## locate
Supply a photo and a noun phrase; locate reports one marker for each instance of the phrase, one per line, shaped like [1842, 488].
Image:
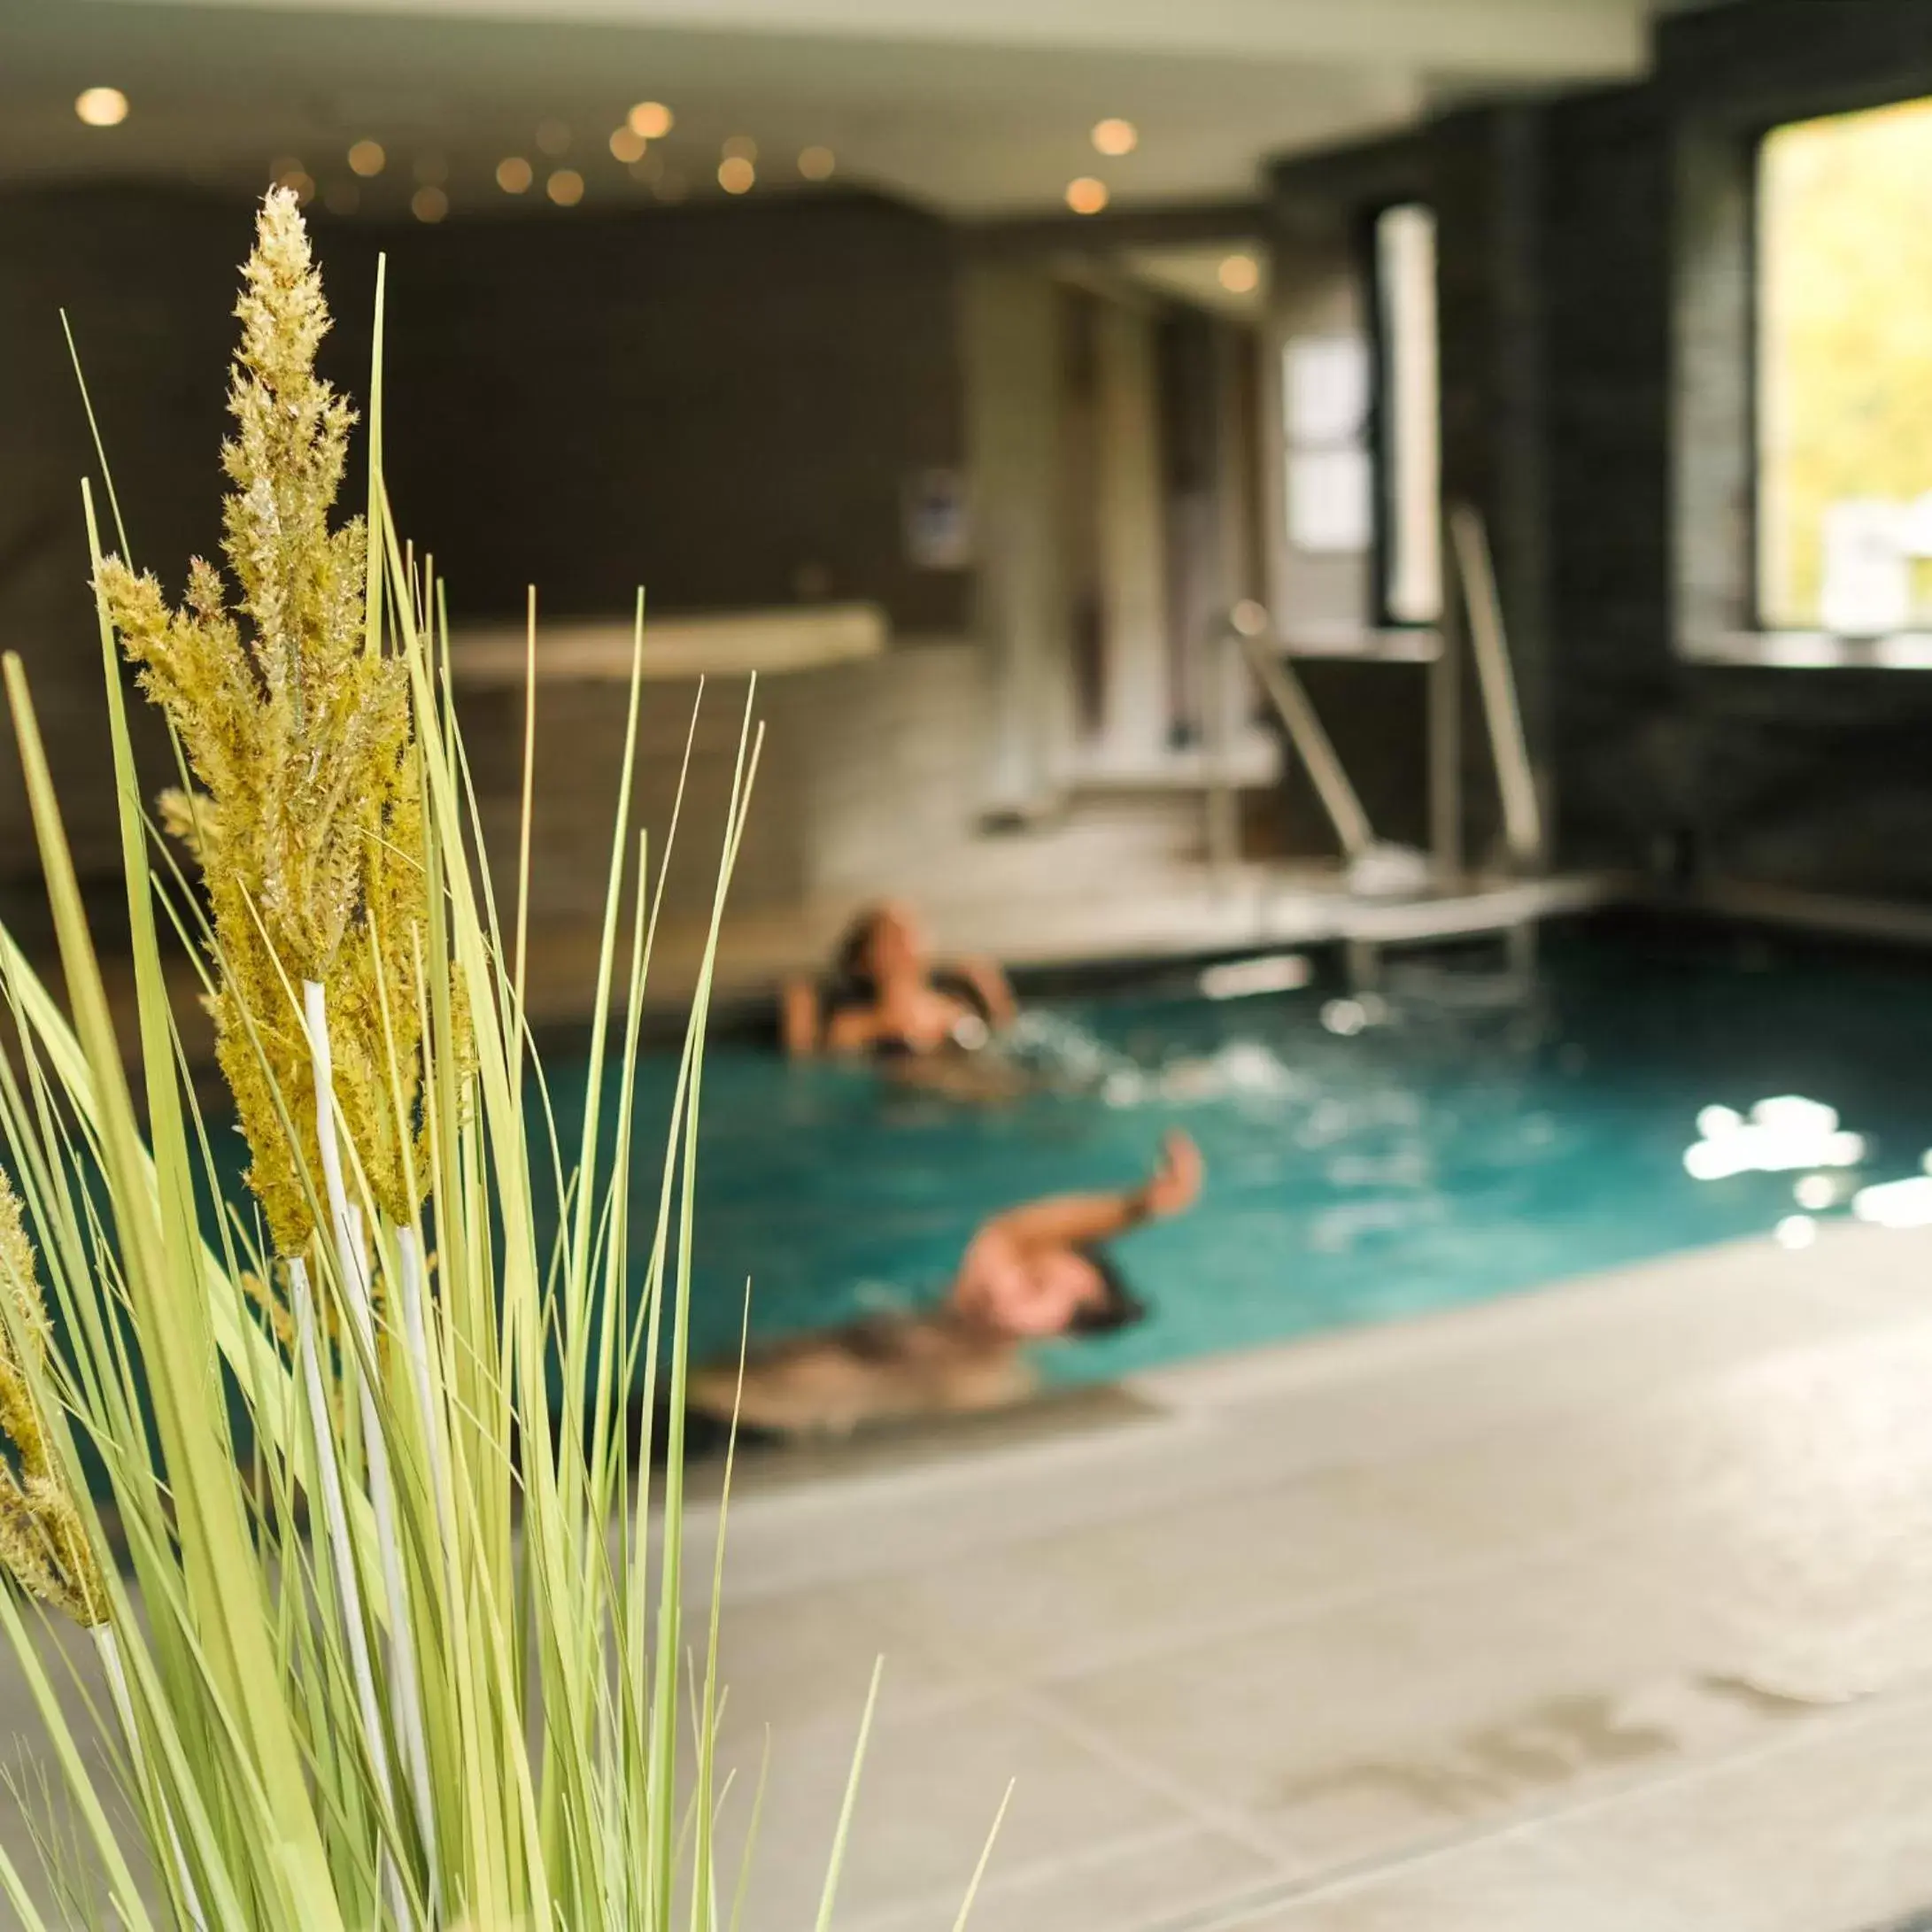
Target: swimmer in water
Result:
[1030, 1274]
[886, 995]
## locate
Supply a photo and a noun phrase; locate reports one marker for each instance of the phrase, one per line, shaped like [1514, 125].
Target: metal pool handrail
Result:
[1247, 625]
[1249, 628]
[1516, 778]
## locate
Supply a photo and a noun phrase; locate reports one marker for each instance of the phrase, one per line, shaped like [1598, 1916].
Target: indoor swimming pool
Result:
[1452, 1138]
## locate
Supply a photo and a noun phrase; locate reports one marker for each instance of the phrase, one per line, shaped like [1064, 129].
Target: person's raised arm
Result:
[798, 1018]
[1080, 1220]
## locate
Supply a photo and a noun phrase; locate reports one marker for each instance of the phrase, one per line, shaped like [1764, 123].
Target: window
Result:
[1409, 513]
[1844, 374]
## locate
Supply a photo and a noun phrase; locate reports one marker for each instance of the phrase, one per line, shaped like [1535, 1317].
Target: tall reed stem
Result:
[342, 1553]
[107, 1644]
[406, 1693]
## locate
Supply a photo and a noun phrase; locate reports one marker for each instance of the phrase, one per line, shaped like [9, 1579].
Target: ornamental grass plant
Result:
[337, 1478]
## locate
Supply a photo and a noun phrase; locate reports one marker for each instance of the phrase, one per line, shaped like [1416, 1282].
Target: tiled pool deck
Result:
[1610, 1606]
[1605, 1607]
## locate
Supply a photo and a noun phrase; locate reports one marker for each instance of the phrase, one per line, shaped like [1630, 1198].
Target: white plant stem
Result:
[336, 1529]
[107, 1644]
[415, 1334]
[350, 1258]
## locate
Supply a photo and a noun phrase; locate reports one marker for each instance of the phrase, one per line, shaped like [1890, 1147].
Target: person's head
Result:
[1064, 1291]
[884, 942]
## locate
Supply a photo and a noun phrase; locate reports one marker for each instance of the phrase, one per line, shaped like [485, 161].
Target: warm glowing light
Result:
[368, 159]
[101, 106]
[741, 147]
[650, 119]
[816, 164]
[290, 173]
[1240, 274]
[553, 136]
[565, 188]
[513, 174]
[627, 143]
[1115, 136]
[1086, 196]
[736, 174]
[1782, 1134]
[429, 204]
[431, 170]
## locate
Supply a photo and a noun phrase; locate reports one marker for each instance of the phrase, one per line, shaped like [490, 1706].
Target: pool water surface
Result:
[1366, 1159]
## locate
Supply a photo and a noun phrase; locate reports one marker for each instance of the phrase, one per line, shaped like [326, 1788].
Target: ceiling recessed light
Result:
[1240, 275]
[627, 143]
[741, 147]
[366, 159]
[650, 119]
[553, 136]
[101, 106]
[513, 174]
[429, 204]
[736, 174]
[1086, 196]
[565, 188]
[816, 164]
[1115, 136]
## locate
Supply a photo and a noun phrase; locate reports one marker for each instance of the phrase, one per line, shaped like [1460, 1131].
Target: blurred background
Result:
[1300, 490]
[964, 372]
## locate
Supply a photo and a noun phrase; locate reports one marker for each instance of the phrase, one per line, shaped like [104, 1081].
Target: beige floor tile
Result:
[1512, 1885]
[1390, 1723]
[931, 1788]
[1826, 1548]
[1119, 1888]
[1832, 1833]
[1838, 1428]
[806, 1658]
[1066, 1601]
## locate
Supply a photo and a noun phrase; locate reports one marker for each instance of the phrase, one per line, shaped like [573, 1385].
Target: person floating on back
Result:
[1030, 1274]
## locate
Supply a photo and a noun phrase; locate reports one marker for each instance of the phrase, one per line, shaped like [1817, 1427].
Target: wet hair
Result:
[850, 981]
[1119, 1306]
[850, 970]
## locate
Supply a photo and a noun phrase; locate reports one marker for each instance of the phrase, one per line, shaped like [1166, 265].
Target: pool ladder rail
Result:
[1247, 639]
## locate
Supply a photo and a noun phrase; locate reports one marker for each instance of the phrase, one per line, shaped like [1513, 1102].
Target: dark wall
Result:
[148, 281]
[1596, 340]
[722, 404]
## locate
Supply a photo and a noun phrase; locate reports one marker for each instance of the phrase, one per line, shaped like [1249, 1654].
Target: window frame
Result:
[1381, 412]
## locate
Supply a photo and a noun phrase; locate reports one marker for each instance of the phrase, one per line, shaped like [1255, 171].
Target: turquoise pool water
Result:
[1457, 1145]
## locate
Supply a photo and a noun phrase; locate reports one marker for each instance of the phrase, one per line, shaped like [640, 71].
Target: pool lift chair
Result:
[1402, 896]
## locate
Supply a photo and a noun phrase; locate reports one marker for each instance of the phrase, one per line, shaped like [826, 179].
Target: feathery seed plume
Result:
[306, 819]
[43, 1544]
